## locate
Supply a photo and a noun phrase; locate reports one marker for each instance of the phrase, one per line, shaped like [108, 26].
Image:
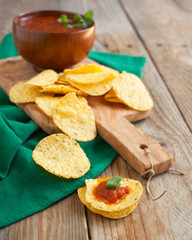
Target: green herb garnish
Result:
[80, 25]
[69, 26]
[64, 19]
[89, 15]
[78, 20]
[113, 182]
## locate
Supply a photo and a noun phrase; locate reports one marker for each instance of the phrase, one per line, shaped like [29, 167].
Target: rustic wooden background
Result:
[161, 30]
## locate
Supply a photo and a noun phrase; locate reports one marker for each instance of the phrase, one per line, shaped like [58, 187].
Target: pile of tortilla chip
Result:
[62, 96]
[116, 210]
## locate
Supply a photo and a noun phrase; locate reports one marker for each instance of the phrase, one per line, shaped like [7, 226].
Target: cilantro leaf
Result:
[78, 18]
[113, 183]
[63, 19]
[69, 26]
[80, 25]
[89, 14]
[88, 22]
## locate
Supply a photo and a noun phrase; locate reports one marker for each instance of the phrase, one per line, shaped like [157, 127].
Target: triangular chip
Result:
[23, 93]
[108, 69]
[90, 78]
[111, 97]
[62, 89]
[84, 69]
[75, 118]
[97, 88]
[130, 90]
[83, 99]
[62, 79]
[135, 189]
[112, 214]
[47, 104]
[62, 156]
[44, 78]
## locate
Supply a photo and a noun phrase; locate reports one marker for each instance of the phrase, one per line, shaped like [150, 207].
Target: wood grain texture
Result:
[170, 216]
[56, 222]
[166, 122]
[169, 28]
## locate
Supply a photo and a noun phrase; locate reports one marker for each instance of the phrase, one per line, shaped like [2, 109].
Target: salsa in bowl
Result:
[46, 42]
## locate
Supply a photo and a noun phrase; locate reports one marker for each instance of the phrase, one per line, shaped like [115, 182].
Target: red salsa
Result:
[109, 196]
[44, 23]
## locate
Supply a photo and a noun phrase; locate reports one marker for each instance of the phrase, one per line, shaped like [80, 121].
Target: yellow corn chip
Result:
[111, 97]
[84, 69]
[61, 74]
[96, 89]
[23, 93]
[44, 78]
[135, 193]
[81, 65]
[111, 93]
[90, 78]
[62, 156]
[62, 89]
[130, 90]
[83, 99]
[108, 69]
[62, 79]
[75, 118]
[47, 104]
[112, 214]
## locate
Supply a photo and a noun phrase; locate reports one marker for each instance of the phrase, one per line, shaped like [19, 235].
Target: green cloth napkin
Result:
[26, 188]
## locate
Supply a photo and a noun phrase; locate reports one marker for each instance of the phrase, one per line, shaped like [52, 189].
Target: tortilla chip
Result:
[84, 69]
[135, 193]
[90, 78]
[44, 78]
[108, 69]
[83, 99]
[114, 215]
[75, 118]
[62, 156]
[97, 88]
[111, 97]
[62, 79]
[62, 89]
[130, 90]
[47, 104]
[23, 93]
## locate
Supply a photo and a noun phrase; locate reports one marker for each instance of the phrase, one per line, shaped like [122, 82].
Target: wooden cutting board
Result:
[112, 120]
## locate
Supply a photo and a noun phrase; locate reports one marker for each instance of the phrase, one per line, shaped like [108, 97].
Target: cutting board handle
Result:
[130, 143]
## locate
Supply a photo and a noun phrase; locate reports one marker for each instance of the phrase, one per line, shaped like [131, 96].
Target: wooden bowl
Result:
[47, 44]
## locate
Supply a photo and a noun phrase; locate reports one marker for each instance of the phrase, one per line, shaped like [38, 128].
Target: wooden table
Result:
[161, 30]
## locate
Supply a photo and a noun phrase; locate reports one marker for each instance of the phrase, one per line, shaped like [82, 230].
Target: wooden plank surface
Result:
[169, 29]
[170, 216]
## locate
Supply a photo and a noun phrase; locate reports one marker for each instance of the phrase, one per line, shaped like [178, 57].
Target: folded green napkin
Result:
[26, 188]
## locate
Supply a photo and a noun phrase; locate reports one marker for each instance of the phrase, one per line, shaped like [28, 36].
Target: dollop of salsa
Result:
[109, 196]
